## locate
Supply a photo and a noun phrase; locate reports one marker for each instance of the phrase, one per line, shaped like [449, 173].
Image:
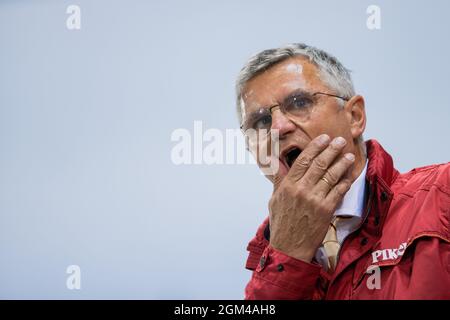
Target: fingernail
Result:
[339, 142]
[350, 156]
[324, 138]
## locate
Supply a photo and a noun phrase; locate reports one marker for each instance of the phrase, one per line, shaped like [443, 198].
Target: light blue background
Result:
[86, 118]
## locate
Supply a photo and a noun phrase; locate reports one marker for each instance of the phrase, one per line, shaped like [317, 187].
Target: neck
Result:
[360, 160]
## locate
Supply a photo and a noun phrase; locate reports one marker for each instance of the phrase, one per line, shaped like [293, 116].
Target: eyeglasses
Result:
[297, 106]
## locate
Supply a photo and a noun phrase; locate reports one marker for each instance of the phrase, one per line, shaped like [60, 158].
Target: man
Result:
[343, 222]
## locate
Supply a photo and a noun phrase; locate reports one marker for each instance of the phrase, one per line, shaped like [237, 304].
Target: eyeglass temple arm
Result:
[331, 95]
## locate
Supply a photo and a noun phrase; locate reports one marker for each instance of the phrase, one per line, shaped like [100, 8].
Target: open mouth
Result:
[291, 156]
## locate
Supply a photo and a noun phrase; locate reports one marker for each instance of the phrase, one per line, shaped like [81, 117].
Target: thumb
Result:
[277, 179]
[275, 176]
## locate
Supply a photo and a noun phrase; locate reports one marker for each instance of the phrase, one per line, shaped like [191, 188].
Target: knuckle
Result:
[323, 207]
[346, 184]
[342, 188]
[307, 181]
[316, 200]
[290, 189]
[301, 191]
[304, 161]
[332, 176]
[339, 191]
[320, 164]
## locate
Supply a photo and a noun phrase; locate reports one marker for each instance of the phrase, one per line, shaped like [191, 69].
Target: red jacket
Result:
[404, 237]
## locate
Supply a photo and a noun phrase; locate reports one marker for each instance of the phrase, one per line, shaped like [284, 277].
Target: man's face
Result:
[327, 116]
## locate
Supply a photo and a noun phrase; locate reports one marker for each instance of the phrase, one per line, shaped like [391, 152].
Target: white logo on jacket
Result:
[388, 254]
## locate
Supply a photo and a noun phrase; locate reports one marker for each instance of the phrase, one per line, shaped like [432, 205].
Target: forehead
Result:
[274, 84]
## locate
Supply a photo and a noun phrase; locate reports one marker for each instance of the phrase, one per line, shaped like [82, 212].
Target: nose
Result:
[281, 123]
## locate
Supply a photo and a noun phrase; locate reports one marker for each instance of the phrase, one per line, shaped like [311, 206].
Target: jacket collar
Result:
[380, 176]
[380, 167]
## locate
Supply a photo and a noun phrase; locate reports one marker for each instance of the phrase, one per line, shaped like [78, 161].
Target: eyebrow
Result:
[295, 94]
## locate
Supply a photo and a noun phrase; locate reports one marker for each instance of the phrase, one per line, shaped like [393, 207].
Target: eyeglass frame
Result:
[280, 104]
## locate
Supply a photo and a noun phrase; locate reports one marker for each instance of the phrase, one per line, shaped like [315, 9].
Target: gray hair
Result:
[331, 71]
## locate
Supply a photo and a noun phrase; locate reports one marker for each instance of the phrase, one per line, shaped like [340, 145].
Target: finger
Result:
[336, 194]
[321, 163]
[334, 174]
[306, 157]
[276, 178]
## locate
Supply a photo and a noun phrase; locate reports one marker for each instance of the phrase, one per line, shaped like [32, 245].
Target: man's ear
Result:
[356, 113]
